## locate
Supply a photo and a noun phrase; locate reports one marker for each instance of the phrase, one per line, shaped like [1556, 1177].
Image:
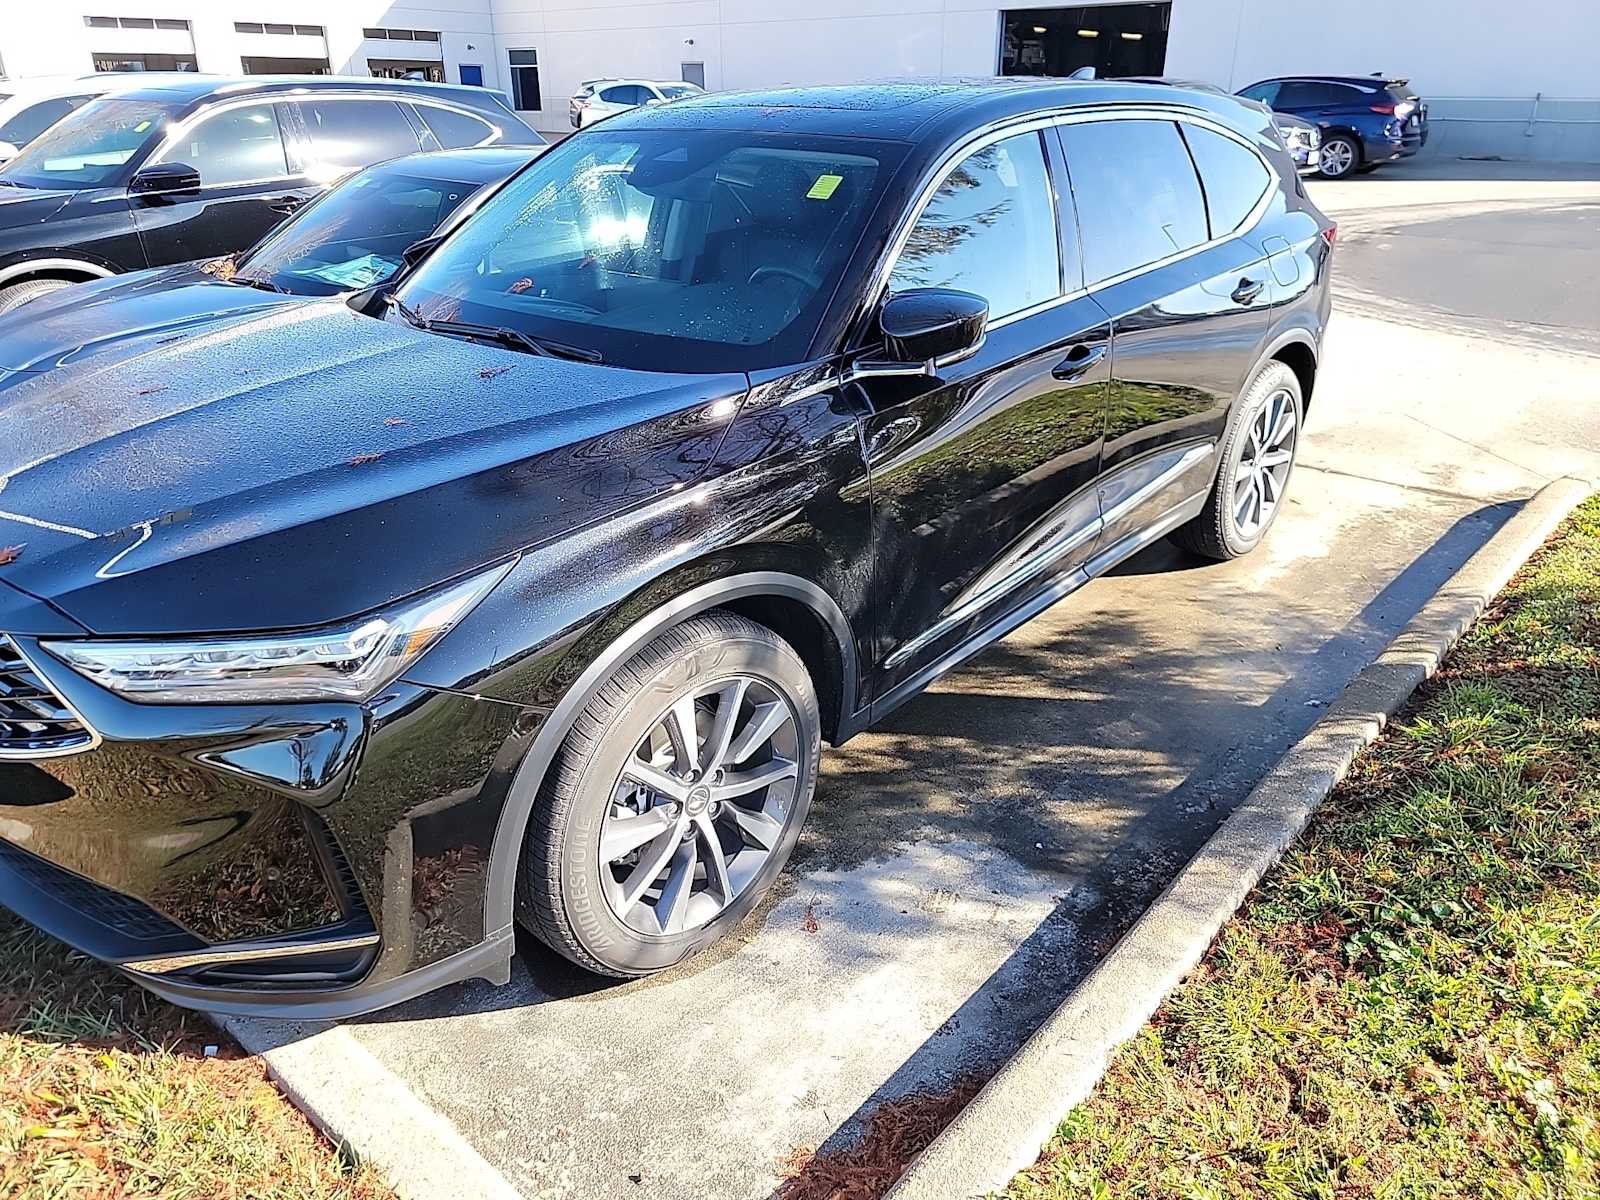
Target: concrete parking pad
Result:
[970, 859]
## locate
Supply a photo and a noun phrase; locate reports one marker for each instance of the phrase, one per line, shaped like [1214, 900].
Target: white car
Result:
[597, 98]
[30, 106]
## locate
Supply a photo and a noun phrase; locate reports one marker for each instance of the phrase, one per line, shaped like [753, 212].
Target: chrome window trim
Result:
[1010, 126]
[95, 737]
[178, 130]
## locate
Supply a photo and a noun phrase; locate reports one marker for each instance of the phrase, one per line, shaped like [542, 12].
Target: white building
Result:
[1521, 83]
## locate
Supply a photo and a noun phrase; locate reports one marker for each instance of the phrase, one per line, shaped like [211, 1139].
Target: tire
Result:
[1219, 531]
[602, 911]
[1341, 157]
[19, 294]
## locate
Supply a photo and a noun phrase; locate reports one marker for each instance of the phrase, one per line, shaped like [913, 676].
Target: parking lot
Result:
[968, 859]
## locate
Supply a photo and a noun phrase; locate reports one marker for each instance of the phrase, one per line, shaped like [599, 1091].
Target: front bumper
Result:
[315, 859]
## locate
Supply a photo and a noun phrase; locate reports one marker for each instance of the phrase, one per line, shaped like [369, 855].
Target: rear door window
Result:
[1265, 93]
[990, 228]
[1138, 197]
[237, 145]
[625, 93]
[1233, 176]
[455, 129]
[348, 134]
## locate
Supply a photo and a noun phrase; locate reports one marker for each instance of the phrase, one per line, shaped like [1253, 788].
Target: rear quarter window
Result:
[1232, 175]
[455, 129]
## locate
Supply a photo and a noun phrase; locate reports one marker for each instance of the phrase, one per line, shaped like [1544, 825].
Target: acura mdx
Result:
[343, 636]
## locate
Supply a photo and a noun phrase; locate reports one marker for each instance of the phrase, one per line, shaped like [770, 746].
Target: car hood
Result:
[28, 206]
[298, 463]
[123, 316]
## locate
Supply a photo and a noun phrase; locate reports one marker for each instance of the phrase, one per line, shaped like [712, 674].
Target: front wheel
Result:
[19, 294]
[1258, 456]
[1340, 157]
[675, 800]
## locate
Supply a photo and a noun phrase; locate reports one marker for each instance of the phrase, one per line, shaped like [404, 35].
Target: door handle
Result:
[1248, 290]
[1078, 361]
[285, 204]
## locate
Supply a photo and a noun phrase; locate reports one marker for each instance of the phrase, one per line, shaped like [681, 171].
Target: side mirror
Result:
[925, 329]
[166, 179]
[8, 151]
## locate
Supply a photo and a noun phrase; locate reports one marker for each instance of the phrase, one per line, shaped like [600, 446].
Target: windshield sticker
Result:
[824, 187]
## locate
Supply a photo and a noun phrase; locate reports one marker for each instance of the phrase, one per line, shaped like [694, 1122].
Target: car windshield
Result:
[685, 251]
[90, 147]
[354, 235]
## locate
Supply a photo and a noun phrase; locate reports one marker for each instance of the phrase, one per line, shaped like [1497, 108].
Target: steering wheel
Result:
[805, 278]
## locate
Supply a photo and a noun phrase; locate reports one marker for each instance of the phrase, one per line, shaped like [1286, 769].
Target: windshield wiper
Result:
[255, 281]
[502, 335]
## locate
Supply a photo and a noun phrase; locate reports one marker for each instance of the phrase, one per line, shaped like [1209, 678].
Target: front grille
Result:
[127, 916]
[34, 721]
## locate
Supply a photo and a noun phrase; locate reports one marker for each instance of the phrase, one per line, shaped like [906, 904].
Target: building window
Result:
[115, 61]
[134, 23]
[525, 80]
[247, 27]
[425, 35]
[376, 35]
[401, 35]
[406, 68]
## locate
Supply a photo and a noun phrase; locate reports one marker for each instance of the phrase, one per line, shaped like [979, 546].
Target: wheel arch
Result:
[1296, 351]
[76, 270]
[796, 608]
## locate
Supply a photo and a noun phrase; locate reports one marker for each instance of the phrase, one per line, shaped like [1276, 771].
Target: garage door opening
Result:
[1114, 39]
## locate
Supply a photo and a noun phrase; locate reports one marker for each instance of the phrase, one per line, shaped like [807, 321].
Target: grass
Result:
[108, 1092]
[1409, 1005]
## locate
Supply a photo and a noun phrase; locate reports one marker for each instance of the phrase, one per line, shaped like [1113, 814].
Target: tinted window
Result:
[455, 129]
[1317, 95]
[346, 134]
[716, 252]
[90, 147]
[1138, 197]
[990, 229]
[1234, 177]
[355, 234]
[233, 146]
[1266, 93]
[28, 124]
[625, 94]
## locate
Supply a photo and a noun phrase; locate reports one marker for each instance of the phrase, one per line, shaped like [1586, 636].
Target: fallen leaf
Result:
[393, 421]
[153, 391]
[10, 554]
[362, 460]
[491, 372]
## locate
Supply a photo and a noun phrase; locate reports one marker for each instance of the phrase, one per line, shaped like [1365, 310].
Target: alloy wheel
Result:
[1338, 158]
[1265, 459]
[700, 805]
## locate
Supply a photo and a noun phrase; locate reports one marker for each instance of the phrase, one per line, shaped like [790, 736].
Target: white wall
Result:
[50, 39]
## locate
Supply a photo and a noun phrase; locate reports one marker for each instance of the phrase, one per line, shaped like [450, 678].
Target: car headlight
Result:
[346, 662]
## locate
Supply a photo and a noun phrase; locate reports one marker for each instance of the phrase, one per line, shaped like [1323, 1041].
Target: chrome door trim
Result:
[1010, 127]
[1053, 551]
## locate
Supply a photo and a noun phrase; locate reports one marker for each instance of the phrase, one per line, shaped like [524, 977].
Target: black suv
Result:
[189, 169]
[342, 635]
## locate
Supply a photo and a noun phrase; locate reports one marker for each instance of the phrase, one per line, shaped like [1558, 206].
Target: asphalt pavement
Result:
[969, 859]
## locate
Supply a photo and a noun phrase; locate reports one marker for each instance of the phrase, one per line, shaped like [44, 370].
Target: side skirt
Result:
[1102, 562]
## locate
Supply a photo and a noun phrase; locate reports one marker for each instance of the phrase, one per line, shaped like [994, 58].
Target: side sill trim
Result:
[1098, 565]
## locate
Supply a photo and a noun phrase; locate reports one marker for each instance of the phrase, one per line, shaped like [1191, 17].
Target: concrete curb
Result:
[1011, 1119]
[334, 1080]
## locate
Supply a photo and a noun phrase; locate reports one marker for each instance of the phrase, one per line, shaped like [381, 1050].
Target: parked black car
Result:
[340, 637]
[1366, 121]
[186, 170]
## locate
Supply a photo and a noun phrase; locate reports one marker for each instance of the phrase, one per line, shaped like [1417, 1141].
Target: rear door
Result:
[1188, 306]
[247, 185]
[983, 477]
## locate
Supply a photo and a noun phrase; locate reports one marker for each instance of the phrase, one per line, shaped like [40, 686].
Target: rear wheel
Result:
[675, 801]
[19, 294]
[1258, 456]
[1340, 157]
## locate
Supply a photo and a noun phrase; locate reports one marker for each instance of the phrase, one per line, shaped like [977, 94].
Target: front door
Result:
[245, 187]
[983, 477]
[1189, 305]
